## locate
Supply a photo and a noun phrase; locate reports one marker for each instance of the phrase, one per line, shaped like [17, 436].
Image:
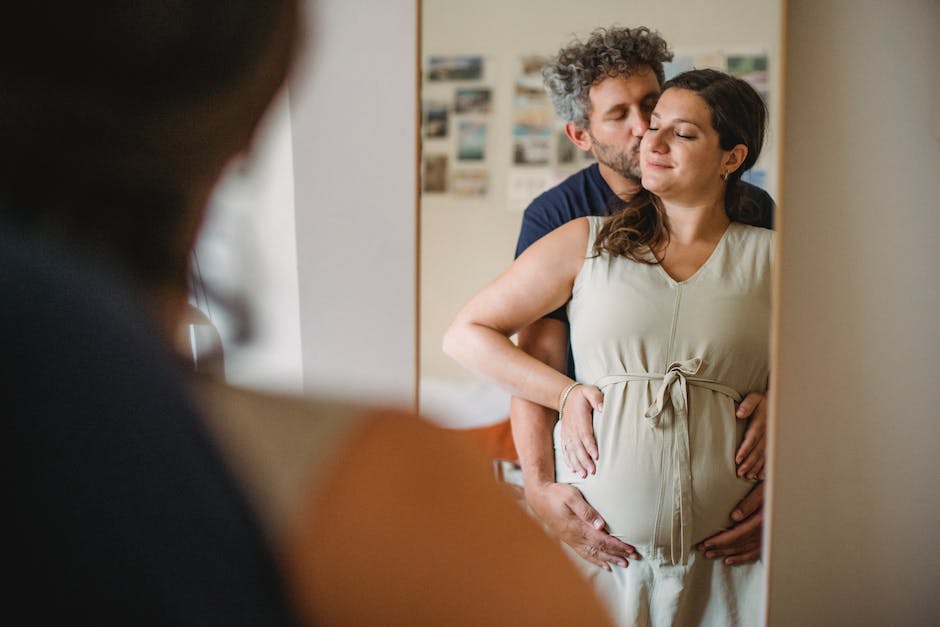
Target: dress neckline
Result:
[702, 267]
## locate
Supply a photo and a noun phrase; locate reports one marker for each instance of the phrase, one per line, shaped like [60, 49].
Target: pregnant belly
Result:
[634, 487]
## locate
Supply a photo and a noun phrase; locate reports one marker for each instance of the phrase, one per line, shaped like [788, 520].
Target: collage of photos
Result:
[455, 125]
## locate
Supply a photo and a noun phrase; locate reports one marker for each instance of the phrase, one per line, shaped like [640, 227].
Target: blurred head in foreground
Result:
[117, 119]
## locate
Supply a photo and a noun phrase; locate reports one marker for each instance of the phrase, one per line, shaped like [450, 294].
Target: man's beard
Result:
[625, 163]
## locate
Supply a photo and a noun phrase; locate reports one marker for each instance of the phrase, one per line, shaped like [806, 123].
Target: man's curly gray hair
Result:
[608, 52]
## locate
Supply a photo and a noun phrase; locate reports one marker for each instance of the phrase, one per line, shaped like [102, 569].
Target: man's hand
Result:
[579, 446]
[741, 543]
[750, 456]
[569, 517]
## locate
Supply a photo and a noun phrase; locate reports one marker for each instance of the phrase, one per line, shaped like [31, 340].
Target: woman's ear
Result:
[735, 157]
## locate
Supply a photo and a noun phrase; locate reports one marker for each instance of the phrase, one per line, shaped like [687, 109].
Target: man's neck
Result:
[625, 188]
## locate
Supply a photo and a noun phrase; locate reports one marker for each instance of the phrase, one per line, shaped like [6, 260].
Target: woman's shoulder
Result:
[755, 242]
[754, 235]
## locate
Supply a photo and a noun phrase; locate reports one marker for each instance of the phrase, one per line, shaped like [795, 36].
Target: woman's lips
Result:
[654, 164]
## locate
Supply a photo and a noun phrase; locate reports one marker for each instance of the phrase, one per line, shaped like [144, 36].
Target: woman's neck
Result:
[691, 222]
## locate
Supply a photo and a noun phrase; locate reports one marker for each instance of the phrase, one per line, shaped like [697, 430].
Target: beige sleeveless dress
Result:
[672, 358]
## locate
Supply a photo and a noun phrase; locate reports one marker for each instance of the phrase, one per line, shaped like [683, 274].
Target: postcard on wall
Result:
[525, 185]
[678, 65]
[756, 177]
[695, 59]
[531, 149]
[455, 68]
[470, 182]
[434, 174]
[567, 154]
[566, 150]
[714, 59]
[472, 100]
[753, 69]
[533, 118]
[471, 140]
[435, 119]
[532, 64]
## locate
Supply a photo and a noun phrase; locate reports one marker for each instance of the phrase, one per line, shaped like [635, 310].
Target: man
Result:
[605, 90]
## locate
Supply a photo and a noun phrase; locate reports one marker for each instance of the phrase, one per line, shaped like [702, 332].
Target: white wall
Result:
[465, 243]
[353, 110]
[856, 474]
[247, 251]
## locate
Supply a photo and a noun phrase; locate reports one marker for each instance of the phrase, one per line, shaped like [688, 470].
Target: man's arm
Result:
[560, 506]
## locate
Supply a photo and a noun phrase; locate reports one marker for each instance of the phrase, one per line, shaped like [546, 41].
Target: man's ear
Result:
[735, 158]
[578, 136]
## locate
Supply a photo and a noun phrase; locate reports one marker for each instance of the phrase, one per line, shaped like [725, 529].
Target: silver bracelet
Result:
[564, 398]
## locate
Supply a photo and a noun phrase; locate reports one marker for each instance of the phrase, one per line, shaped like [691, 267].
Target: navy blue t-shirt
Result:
[586, 193]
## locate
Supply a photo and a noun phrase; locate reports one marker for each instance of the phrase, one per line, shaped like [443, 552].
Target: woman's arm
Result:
[539, 282]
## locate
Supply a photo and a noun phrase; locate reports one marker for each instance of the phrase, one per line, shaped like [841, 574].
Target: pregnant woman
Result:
[669, 303]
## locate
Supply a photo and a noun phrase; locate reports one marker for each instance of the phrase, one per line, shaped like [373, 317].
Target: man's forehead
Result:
[637, 87]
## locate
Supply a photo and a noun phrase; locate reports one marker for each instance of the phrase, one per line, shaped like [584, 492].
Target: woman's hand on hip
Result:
[579, 446]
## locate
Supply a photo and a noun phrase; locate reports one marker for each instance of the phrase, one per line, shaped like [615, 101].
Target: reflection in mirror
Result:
[491, 143]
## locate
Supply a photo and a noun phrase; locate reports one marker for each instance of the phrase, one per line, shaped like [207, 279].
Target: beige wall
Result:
[856, 476]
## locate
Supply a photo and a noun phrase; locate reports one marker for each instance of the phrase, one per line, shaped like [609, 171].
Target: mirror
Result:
[478, 173]
[491, 143]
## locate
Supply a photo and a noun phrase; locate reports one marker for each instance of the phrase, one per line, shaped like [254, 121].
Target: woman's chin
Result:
[652, 183]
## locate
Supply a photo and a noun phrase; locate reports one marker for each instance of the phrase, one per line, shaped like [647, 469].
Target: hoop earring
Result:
[724, 177]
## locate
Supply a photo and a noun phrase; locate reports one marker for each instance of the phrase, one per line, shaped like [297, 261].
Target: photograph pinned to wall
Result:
[567, 151]
[470, 182]
[533, 118]
[567, 154]
[435, 119]
[714, 59]
[473, 100]
[531, 149]
[471, 140]
[756, 177]
[678, 65]
[524, 184]
[434, 174]
[455, 68]
[753, 69]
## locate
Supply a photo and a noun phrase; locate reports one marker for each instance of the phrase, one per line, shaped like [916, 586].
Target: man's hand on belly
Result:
[570, 518]
[741, 543]
[750, 455]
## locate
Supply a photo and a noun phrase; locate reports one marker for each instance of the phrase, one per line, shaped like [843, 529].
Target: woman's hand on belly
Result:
[579, 446]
